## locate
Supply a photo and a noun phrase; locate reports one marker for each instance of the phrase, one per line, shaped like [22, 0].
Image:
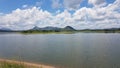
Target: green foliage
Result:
[47, 32]
[11, 65]
[100, 31]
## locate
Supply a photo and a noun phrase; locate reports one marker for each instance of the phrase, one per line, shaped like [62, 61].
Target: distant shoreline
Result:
[67, 29]
[27, 64]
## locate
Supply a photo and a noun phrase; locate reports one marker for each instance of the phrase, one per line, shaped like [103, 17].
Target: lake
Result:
[79, 50]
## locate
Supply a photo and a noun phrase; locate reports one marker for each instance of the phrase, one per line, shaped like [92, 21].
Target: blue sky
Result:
[7, 6]
[81, 14]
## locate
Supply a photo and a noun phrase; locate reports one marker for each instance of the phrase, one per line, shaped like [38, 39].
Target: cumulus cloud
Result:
[67, 4]
[97, 2]
[99, 17]
[21, 18]
[56, 4]
[25, 6]
[72, 4]
[83, 18]
[38, 4]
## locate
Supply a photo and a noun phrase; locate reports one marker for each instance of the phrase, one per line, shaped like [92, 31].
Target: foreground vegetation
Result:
[65, 30]
[5, 64]
[48, 32]
[70, 32]
[100, 31]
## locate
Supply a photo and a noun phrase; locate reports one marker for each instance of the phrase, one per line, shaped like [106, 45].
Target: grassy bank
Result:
[18, 64]
[5, 64]
[10, 65]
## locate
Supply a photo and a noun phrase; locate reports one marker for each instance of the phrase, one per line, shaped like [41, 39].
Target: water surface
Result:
[80, 50]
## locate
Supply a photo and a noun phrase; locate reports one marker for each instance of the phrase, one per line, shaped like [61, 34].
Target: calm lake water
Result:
[80, 50]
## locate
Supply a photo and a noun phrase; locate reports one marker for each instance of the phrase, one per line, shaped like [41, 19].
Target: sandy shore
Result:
[27, 64]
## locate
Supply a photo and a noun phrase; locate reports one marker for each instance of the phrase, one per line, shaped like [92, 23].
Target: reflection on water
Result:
[82, 50]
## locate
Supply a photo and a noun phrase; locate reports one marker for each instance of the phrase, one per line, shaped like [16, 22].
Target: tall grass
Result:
[5, 64]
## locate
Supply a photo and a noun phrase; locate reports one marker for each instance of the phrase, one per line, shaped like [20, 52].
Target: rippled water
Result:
[80, 50]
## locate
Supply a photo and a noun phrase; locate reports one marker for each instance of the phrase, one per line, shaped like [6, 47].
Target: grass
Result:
[5, 64]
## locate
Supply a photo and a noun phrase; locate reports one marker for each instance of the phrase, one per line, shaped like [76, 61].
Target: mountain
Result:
[46, 28]
[50, 28]
[5, 30]
[68, 28]
[35, 28]
[57, 29]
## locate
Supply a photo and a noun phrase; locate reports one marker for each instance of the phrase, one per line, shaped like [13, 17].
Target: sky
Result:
[80, 14]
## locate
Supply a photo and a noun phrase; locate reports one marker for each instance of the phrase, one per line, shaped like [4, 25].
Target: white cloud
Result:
[56, 4]
[22, 18]
[58, 11]
[72, 4]
[25, 6]
[83, 18]
[99, 17]
[1, 13]
[38, 4]
[97, 2]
